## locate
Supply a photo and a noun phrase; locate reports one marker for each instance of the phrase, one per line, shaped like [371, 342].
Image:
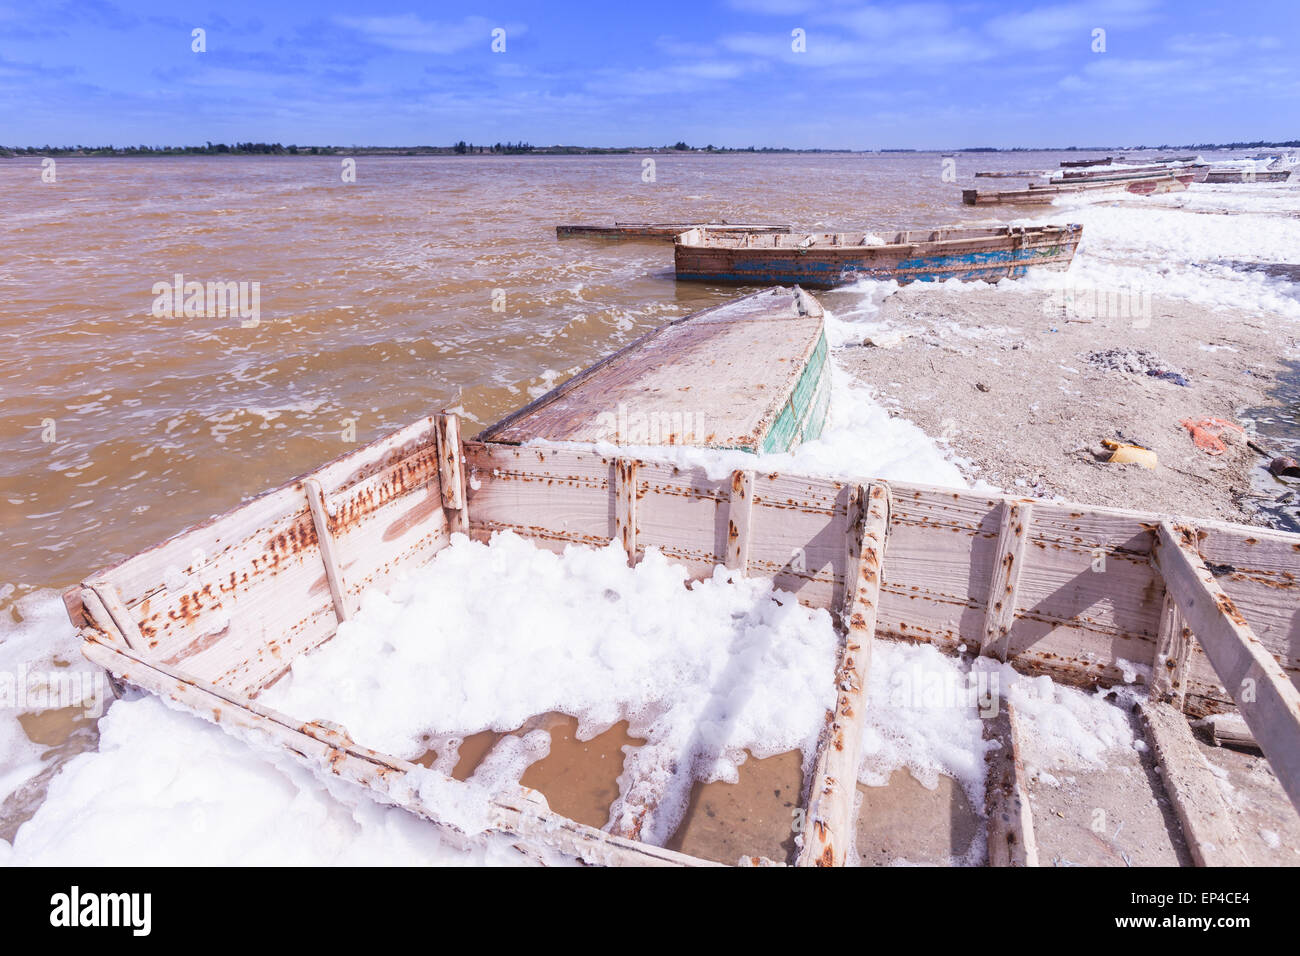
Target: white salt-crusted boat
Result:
[750, 374]
[214, 616]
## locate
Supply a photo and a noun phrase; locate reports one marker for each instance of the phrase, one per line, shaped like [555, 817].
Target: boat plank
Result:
[329, 752]
[1266, 697]
[1203, 813]
[1169, 668]
[328, 549]
[833, 785]
[1000, 605]
[740, 516]
[1011, 827]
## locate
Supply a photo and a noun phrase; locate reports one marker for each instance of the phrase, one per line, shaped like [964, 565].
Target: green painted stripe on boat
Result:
[803, 416]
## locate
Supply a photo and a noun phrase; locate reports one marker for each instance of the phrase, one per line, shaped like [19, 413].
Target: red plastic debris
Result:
[1207, 432]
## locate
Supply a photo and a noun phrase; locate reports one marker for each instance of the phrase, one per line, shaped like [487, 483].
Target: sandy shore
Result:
[1003, 376]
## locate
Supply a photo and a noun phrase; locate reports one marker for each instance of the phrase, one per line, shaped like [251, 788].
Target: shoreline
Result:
[1001, 378]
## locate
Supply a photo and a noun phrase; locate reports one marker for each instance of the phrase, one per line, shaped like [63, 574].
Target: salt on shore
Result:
[194, 790]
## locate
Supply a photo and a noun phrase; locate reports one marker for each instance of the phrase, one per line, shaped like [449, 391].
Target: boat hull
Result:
[213, 617]
[1247, 176]
[1043, 194]
[985, 258]
[662, 230]
[751, 375]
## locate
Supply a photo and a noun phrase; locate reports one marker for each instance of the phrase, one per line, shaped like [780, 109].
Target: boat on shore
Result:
[1252, 175]
[1076, 163]
[1199, 173]
[751, 374]
[825, 260]
[212, 618]
[1045, 192]
[662, 230]
[1015, 174]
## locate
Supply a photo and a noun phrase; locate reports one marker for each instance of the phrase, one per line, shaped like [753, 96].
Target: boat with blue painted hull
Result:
[825, 260]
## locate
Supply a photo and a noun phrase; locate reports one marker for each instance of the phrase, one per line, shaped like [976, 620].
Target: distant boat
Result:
[751, 374]
[1200, 171]
[1014, 174]
[1250, 175]
[1043, 194]
[663, 230]
[1068, 163]
[823, 260]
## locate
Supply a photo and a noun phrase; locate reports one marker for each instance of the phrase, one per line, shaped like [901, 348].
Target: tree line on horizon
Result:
[522, 148]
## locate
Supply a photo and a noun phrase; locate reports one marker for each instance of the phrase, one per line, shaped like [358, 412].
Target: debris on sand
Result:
[1136, 362]
[1208, 433]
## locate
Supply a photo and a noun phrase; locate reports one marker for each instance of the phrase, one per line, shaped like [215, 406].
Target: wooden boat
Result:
[212, 617]
[662, 230]
[824, 260]
[1250, 176]
[1075, 163]
[1045, 192]
[1200, 171]
[751, 374]
[1015, 174]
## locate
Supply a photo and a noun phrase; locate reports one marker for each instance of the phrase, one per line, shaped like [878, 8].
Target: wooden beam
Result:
[328, 550]
[1203, 813]
[1229, 729]
[110, 613]
[833, 790]
[1011, 825]
[451, 472]
[739, 512]
[1173, 647]
[329, 753]
[1013, 533]
[625, 505]
[1263, 693]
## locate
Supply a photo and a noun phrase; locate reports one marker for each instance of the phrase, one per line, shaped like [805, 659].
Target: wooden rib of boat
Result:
[662, 230]
[824, 260]
[211, 618]
[751, 374]
[1043, 193]
[1250, 175]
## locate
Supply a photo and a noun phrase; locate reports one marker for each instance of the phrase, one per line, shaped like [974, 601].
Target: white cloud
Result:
[410, 33]
[1046, 28]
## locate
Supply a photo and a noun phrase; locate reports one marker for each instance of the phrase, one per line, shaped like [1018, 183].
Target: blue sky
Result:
[922, 75]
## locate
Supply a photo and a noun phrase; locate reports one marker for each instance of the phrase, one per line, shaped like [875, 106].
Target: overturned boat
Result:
[751, 374]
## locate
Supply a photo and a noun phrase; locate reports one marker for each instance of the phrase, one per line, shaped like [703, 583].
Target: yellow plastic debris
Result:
[1122, 454]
